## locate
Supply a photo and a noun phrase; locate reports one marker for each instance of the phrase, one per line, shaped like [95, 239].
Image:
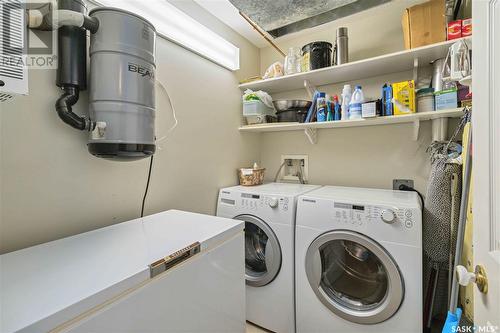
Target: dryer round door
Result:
[354, 277]
[262, 252]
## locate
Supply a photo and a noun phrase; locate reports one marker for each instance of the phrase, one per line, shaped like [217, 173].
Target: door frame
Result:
[486, 156]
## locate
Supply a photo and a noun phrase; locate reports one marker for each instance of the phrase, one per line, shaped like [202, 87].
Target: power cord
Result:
[279, 170]
[147, 186]
[301, 174]
[407, 188]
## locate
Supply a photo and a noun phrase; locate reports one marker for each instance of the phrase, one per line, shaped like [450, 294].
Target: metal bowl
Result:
[291, 104]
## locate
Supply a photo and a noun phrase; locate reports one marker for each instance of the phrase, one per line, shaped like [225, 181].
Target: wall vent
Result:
[13, 72]
[5, 97]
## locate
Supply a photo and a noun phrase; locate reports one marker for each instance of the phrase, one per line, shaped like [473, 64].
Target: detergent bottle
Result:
[321, 108]
[329, 106]
[336, 108]
[357, 99]
[346, 98]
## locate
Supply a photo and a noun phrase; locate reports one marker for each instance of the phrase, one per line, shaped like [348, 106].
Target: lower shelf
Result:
[419, 116]
[311, 128]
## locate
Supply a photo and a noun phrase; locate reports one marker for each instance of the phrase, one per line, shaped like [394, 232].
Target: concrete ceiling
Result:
[274, 14]
[227, 13]
[283, 18]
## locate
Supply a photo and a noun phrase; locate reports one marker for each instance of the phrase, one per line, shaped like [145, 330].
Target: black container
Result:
[318, 53]
[292, 115]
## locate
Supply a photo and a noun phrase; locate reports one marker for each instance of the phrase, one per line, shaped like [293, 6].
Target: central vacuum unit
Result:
[122, 78]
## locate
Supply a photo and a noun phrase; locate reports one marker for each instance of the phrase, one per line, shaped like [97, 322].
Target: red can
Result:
[466, 27]
[455, 29]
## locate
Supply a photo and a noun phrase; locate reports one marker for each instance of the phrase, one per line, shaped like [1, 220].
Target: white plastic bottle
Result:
[346, 98]
[357, 99]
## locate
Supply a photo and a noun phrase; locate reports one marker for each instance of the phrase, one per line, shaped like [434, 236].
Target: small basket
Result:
[250, 176]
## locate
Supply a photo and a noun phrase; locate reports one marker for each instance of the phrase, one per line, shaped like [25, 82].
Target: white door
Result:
[486, 158]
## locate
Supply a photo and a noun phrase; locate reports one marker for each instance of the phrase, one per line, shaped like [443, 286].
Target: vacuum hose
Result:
[72, 61]
[64, 108]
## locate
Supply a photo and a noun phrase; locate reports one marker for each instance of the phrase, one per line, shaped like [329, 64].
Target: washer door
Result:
[262, 252]
[354, 277]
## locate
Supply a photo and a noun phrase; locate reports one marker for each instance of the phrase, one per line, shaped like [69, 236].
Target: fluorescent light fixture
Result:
[180, 28]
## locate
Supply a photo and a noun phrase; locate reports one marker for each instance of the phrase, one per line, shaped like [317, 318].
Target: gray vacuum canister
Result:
[122, 85]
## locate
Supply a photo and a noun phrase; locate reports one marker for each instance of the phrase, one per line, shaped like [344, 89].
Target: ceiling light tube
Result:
[178, 27]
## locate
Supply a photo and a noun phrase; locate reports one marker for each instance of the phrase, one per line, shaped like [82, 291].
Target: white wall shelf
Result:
[390, 63]
[311, 128]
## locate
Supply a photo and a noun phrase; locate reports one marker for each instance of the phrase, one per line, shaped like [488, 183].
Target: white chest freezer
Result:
[169, 272]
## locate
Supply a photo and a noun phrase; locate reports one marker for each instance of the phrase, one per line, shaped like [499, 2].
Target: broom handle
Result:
[256, 28]
[461, 224]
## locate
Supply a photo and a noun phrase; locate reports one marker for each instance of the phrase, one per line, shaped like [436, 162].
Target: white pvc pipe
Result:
[64, 17]
[61, 17]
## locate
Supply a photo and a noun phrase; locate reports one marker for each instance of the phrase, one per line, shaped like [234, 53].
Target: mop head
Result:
[452, 322]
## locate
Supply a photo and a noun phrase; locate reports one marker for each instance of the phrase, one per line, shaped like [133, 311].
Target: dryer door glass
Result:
[262, 251]
[354, 277]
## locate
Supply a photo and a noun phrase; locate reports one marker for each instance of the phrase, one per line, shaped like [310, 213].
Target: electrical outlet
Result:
[398, 182]
[295, 168]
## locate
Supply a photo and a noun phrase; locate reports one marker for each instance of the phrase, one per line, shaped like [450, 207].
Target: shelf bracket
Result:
[415, 70]
[416, 129]
[312, 135]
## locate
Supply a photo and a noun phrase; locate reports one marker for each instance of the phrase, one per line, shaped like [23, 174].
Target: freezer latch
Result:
[173, 259]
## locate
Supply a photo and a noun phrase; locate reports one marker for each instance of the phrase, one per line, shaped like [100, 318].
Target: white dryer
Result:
[269, 214]
[358, 261]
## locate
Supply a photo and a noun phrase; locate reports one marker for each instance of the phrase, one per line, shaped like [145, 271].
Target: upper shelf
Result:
[381, 65]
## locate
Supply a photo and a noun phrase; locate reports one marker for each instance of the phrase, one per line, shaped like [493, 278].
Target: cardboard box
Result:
[371, 109]
[404, 97]
[466, 27]
[446, 99]
[454, 30]
[424, 24]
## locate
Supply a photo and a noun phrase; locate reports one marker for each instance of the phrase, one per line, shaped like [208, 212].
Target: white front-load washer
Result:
[269, 214]
[358, 261]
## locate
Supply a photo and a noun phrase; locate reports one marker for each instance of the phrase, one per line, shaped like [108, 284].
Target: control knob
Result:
[273, 202]
[388, 216]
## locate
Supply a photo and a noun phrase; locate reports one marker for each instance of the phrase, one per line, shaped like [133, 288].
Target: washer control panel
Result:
[354, 214]
[256, 201]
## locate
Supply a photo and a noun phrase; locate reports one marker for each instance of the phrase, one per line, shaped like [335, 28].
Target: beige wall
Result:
[51, 187]
[372, 32]
[364, 156]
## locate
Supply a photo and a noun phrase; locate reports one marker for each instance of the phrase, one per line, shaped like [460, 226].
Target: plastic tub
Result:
[425, 100]
[257, 112]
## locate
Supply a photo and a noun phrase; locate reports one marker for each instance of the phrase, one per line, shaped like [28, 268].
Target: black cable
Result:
[147, 186]
[404, 187]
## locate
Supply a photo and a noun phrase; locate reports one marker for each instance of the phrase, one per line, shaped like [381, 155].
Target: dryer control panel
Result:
[255, 202]
[357, 214]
